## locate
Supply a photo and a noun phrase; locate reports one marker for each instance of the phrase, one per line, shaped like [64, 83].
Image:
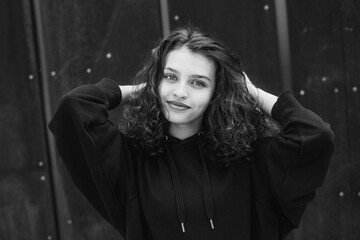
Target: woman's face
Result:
[186, 88]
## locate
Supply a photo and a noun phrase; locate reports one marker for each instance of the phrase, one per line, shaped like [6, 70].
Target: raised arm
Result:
[297, 159]
[93, 149]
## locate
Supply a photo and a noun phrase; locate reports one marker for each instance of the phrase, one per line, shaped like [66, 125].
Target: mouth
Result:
[177, 105]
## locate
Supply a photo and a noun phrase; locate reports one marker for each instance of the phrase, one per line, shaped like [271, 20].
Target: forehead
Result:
[185, 61]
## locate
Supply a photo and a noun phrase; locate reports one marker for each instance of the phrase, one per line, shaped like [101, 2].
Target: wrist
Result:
[126, 91]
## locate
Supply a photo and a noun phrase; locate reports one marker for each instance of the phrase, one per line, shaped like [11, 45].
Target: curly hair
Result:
[233, 119]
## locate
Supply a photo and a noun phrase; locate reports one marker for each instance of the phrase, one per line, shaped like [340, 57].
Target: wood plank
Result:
[351, 33]
[318, 81]
[26, 202]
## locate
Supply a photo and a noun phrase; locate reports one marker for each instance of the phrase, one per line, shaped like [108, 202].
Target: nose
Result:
[180, 91]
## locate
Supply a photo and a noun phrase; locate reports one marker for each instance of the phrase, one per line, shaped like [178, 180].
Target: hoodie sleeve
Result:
[298, 157]
[92, 149]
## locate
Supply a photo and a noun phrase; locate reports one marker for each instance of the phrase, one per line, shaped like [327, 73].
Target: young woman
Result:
[198, 156]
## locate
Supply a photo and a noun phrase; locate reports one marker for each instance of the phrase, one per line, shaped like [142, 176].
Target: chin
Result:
[178, 121]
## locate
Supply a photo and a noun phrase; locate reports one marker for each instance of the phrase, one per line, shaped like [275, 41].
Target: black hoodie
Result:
[179, 194]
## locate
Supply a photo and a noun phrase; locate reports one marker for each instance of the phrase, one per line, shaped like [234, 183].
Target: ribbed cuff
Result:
[285, 106]
[112, 91]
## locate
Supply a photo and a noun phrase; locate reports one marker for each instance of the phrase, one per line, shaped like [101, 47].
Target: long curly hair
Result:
[233, 119]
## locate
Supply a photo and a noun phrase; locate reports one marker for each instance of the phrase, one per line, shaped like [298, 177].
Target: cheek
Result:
[209, 97]
[162, 93]
[163, 90]
[159, 89]
[204, 102]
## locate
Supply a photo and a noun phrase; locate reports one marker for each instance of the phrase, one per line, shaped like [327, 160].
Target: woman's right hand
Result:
[265, 100]
[127, 90]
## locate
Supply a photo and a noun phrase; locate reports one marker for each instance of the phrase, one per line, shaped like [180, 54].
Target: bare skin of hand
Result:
[127, 90]
[266, 100]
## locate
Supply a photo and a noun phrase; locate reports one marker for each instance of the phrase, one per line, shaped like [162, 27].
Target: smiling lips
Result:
[178, 105]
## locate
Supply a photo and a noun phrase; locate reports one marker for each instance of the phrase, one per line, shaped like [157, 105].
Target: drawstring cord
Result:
[209, 205]
[180, 207]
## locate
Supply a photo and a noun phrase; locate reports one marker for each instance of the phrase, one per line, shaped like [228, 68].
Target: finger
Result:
[246, 78]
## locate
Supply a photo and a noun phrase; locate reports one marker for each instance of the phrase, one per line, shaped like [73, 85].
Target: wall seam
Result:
[283, 43]
[165, 20]
[46, 107]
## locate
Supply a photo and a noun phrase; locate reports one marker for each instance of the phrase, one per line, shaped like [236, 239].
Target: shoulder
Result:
[261, 145]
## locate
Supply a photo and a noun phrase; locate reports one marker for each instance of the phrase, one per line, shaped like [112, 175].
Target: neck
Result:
[182, 131]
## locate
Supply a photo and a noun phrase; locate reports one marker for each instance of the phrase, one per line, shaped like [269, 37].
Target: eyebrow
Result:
[193, 75]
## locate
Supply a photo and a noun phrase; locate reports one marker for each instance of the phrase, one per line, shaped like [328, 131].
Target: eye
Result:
[170, 77]
[198, 83]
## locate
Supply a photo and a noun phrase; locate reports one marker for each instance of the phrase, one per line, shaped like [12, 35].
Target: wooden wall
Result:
[50, 47]
[26, 199]
[324, 37]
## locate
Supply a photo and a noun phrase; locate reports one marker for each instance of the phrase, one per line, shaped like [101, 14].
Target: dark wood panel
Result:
[26, 207]
[84, 42]
[351, 31]
[247, 27]
[318, 81]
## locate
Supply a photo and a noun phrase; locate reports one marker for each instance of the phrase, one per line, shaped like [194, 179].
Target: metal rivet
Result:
[302, 92]
[305, 30]
[355, 89]
[341, 194]
[176, 17]
[42, 178]
[88, 70]
[324, 79]
[348, 29]
[49, 237]
[266, 7]
[41, 163]
[53, 73]
[69, 221]
[336, 90]
[31, 77]
[108, 55]
[359, 194]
